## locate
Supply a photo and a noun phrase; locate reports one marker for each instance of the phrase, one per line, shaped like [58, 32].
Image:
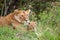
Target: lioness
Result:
[16, 18]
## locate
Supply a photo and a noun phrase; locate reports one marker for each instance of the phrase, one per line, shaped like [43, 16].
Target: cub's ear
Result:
[28, 11]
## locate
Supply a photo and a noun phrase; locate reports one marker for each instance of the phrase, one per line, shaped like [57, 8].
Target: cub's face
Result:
[32, 25]
[22, 15]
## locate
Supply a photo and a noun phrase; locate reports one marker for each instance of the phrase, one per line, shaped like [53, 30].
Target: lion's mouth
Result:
[26, 22]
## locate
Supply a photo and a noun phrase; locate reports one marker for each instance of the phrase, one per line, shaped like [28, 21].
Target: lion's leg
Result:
[15, 24]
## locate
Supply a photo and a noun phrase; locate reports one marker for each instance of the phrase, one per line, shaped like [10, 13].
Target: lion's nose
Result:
[26, 20]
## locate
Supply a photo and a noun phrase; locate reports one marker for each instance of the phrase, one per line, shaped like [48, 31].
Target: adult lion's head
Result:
[21, 15]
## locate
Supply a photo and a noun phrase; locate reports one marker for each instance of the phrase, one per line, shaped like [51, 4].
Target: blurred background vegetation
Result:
[45, 12]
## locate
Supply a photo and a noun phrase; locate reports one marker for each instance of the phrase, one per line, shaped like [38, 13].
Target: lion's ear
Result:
[16, 11]
[28, 11]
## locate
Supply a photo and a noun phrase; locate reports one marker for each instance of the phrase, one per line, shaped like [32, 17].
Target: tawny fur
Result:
[31, 25]
[9, 19]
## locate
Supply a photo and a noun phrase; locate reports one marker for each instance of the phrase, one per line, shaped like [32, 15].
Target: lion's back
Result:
[3, 21]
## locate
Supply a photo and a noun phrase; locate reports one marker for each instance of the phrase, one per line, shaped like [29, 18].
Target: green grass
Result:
[48, 28]
[7, 33]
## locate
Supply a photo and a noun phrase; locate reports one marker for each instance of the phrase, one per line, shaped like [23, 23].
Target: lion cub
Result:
[32, 25]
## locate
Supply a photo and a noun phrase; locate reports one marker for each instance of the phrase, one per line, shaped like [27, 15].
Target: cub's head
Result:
[32, 26]
[21, 15]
